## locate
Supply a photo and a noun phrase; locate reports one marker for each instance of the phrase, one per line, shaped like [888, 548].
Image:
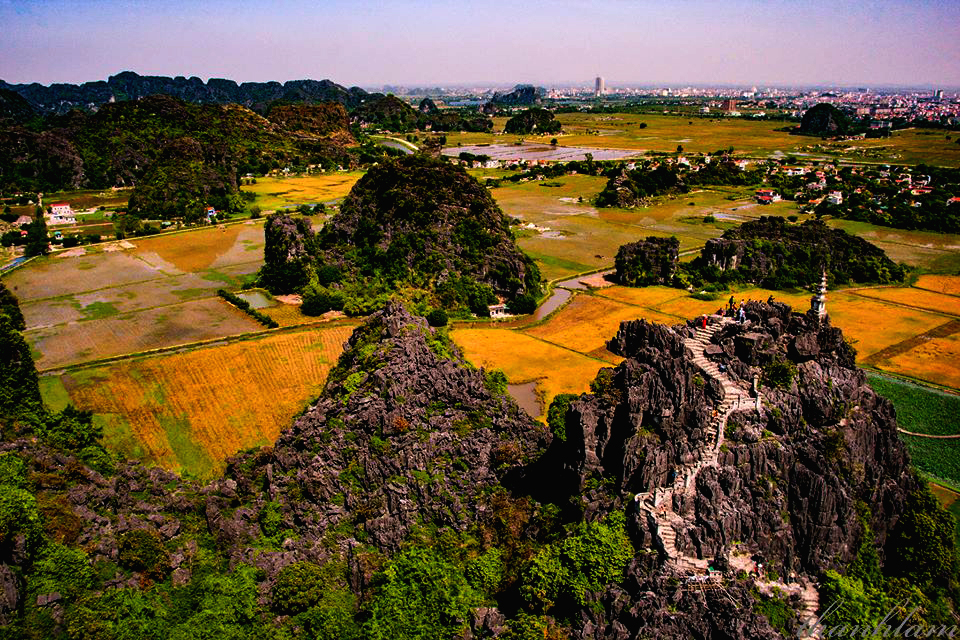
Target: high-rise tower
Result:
[599, 88]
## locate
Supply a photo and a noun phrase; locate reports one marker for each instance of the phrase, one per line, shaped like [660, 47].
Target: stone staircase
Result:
[658, 504]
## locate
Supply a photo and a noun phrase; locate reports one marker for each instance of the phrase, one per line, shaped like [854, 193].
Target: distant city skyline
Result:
[843, 43]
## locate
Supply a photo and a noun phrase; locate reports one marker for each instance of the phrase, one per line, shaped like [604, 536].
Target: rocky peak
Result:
[406, 434]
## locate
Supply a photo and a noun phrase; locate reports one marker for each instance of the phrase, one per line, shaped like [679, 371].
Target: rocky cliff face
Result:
[794, 471]
[728, 446]
[647, 262]
[61, 98]
[405, 435]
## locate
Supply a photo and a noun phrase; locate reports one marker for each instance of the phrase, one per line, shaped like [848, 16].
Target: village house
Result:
[498, 310]
[61, 213]
[835, 197]
[767, 196]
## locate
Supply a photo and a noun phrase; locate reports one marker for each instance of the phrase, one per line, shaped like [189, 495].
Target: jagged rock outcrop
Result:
[406, 434]
[793, 469]
[629, 189]
[427, 106]
[521, 96]
[647, 262]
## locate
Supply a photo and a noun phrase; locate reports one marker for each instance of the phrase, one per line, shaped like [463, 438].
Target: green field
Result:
[583, 237]
[919, 409]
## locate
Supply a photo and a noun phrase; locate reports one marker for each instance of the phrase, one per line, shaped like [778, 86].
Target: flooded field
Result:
[528, 152]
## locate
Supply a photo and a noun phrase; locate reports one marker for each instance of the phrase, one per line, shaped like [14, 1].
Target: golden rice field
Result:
[587, 323]
[873, 325]
[936, 360]
[189, 411]
[526, 359]
[560, 353]
[276, 192]
[949, 285]
[914, 297]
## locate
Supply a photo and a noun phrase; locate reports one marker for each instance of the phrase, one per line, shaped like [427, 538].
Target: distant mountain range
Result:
[62, 98]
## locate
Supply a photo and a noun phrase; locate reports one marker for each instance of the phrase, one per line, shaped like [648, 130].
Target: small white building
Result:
[61, 213]
[835, 197]
[498, 310]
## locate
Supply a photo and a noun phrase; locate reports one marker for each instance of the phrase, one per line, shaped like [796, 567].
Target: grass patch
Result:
[53, 392]
[939, 458]
[919, 409]
[97, 310]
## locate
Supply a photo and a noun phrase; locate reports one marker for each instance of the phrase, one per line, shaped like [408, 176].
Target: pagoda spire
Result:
[818, 303]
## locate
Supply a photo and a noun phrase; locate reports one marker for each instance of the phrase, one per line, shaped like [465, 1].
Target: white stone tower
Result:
[818, 302]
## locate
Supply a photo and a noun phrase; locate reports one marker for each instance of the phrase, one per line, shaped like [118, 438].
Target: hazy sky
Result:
[355, 42]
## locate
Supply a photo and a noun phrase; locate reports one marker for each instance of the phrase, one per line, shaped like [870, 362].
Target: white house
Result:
[61, 213]
[835, 197]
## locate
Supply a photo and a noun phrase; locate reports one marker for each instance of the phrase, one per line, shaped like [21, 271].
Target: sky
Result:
[495, 42]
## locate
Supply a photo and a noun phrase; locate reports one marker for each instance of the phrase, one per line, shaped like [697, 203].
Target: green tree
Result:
[557, 414]
[594, 555]
[38, 242]
[419, 595]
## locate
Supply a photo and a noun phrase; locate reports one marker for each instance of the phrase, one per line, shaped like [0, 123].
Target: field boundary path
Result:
[657, 504]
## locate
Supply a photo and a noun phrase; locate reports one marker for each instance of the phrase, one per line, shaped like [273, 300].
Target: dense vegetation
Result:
[776, 254]
[533, 121]
[120, 144]
[418, 226]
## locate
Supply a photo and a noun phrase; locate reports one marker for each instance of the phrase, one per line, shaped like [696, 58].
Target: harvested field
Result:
[588, 322]
[189, 411]
[124, 333]
[524, 359]
[949, 285]
[936, 360]
[913, 297]
[48, 278]
[193, 251]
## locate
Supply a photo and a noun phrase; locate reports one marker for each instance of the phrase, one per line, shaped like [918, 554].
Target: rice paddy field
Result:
[189, 411]
[920, 340]
[756, 138]
[277, 193]
[131, 296]
[579, 237]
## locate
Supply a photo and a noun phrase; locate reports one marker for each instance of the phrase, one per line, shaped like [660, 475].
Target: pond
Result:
[257, 299]
[526, 396]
